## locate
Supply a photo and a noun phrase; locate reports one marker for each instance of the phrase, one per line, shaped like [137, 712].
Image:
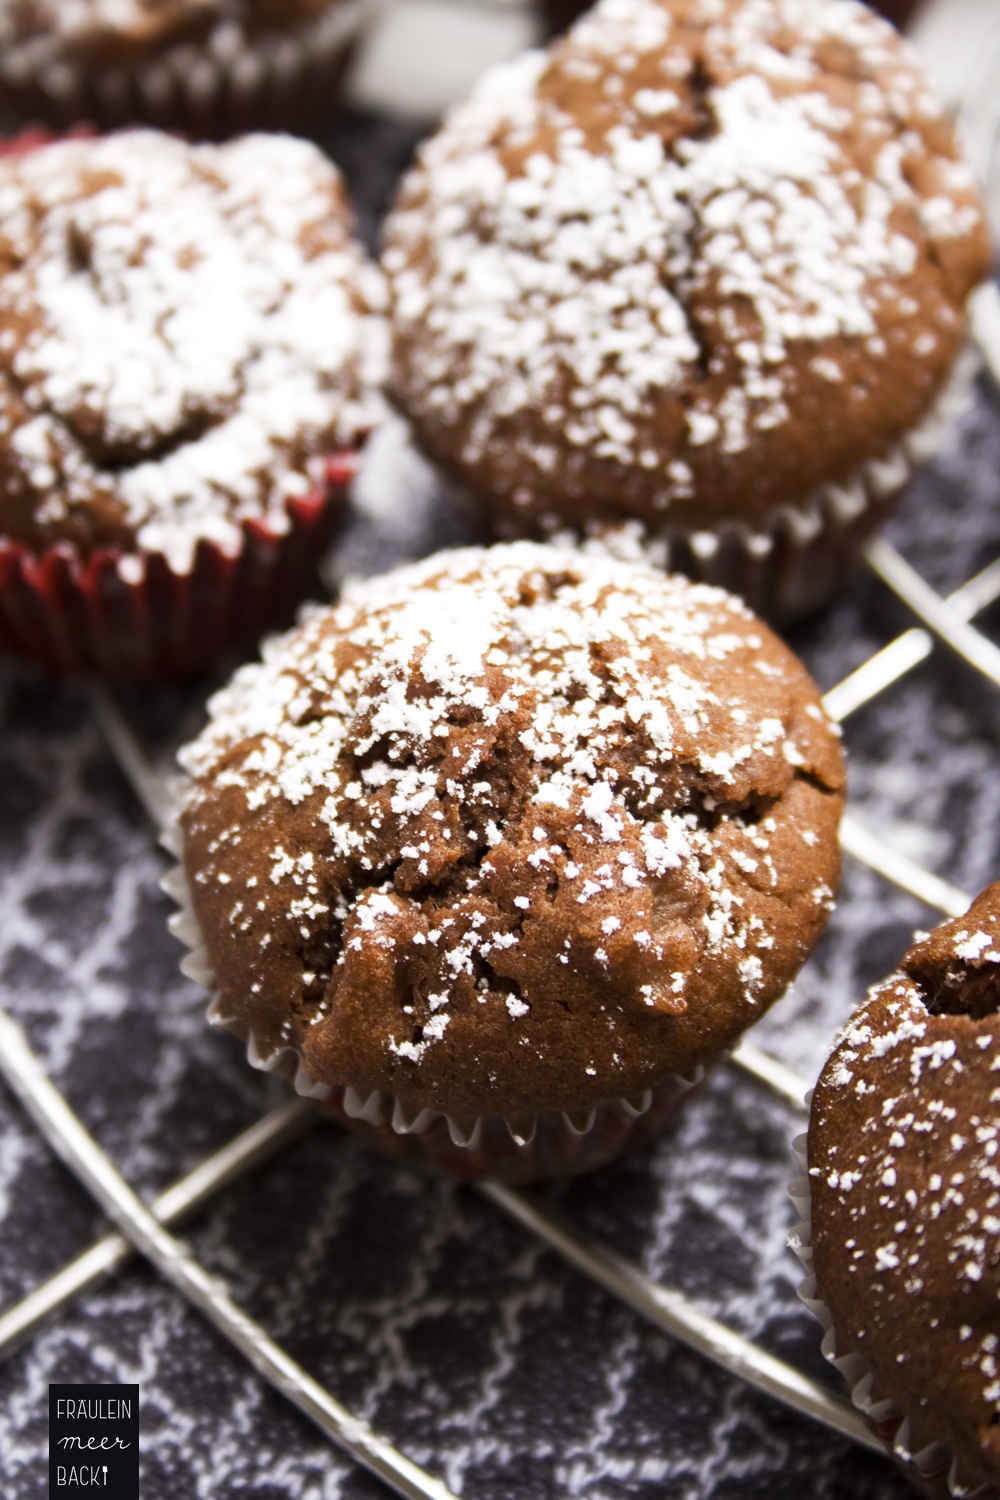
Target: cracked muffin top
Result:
[904, 1173]
[124, 31]
[186, 335]
[514, 829]
[694, 261]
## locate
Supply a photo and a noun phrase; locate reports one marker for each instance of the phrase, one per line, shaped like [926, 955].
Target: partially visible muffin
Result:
[189, 347]
[209, 67]
[904, 1179]
[512, 832]
[701, 264]
[559, 14]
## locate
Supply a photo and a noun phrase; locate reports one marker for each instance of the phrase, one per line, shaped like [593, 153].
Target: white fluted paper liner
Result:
[230, 83]
[934, 1469]
[793, 562]
[554, 1144]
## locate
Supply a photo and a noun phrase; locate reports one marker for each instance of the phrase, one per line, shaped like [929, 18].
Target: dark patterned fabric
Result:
[412, 1298]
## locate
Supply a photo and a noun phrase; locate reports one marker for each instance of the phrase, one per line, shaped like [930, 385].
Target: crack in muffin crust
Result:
[515, 830]
[692, 262]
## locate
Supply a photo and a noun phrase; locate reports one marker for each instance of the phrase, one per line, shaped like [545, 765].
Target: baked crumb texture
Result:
[512, 831]
[904, 1177]
[694, 264]
[189, 336]
[212, 67]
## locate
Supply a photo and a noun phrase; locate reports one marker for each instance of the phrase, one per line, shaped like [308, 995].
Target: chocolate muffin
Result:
[209, 67]
[905, 1187]
[559, 14]
[188, 346]
[701, 265]
[513, 832]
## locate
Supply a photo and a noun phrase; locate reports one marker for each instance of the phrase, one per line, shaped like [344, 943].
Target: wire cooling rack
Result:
[373, 1299]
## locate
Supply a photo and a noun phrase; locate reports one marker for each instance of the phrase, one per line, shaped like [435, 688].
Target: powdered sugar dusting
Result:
[904, 1147]
[581, 245]
[190, 331]
[926, 1111]
[444, 714]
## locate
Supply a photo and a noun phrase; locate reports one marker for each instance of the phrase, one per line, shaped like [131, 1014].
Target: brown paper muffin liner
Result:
[557, 15]
[933, 1469]
[795, 562]
[222, 87]
[547, 1145]
[131, 617]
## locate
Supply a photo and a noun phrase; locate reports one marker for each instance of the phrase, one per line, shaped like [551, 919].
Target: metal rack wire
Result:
[944, 622]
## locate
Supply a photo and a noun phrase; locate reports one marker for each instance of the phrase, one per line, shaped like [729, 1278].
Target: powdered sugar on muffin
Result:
[513, 830]
[115, 28]
[904, 1163]
[186, 333]
[696, 259]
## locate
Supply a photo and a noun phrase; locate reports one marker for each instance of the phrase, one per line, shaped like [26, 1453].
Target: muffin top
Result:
[905, 1184]
[513, 830]
[694, 261]
[120, 31]
[186, 334]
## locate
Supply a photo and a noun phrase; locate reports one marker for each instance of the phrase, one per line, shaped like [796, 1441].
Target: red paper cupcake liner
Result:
[39, 135]
[132, 618]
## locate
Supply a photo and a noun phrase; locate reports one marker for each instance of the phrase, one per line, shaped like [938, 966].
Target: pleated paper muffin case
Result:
[136, 614]
[794, 563]
[226, 85]
[933, 1469]
[132, 616]
[547, 1145]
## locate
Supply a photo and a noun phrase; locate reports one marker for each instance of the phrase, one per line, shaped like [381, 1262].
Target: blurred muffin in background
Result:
[208, 68]
[190, 346]
[700, 266]
[559, 14]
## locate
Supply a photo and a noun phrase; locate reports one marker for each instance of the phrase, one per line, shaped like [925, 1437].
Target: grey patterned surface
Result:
[413, 1299]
